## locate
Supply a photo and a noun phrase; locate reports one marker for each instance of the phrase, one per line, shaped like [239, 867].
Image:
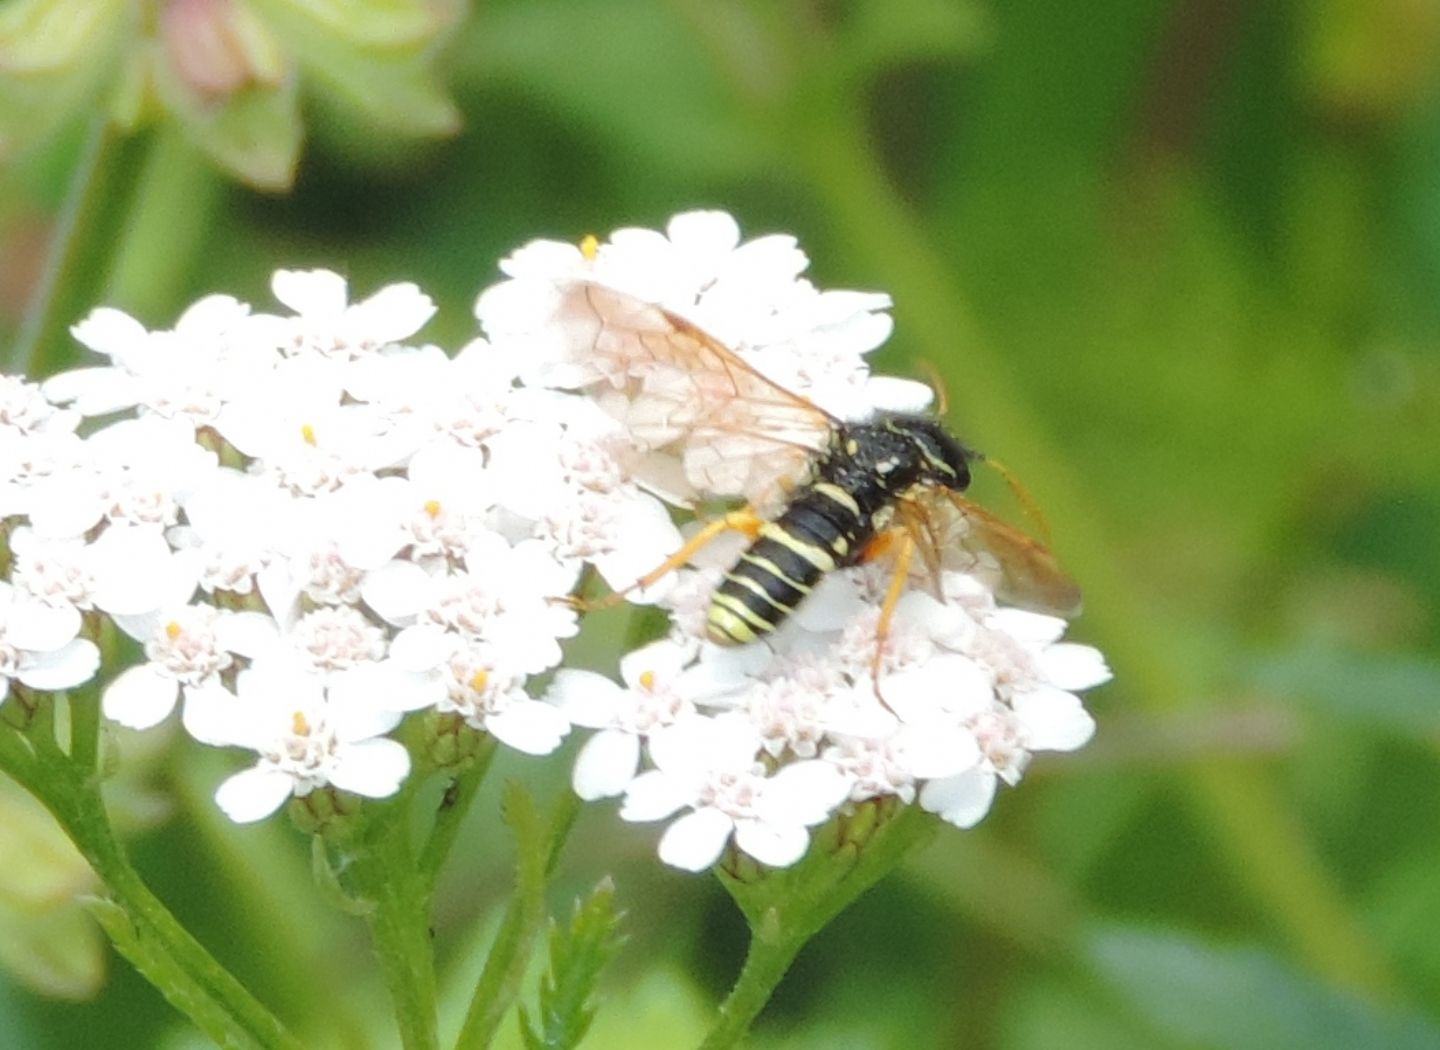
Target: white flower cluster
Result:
[765, 741]
[312, 527]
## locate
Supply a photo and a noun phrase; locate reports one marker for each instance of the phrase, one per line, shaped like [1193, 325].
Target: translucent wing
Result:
[678, 389]
[972, 539]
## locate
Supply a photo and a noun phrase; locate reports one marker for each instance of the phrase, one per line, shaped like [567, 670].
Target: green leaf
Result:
[375, 57]
[578, 953]
[1242, 998]
[54, 58]
[255, 133]
[499, 982]
[183, 991]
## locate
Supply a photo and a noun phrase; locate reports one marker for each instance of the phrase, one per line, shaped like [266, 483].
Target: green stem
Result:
[82, 244]
[765, 964]
[208, 993]
[161, 240]
[538, 848]
[381, 872]
[785, 908]
[451, 814]
[84, 708]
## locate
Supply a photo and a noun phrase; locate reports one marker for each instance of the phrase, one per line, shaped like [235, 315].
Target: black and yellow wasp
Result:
[846, 492]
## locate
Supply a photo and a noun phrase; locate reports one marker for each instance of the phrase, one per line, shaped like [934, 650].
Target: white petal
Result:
[396, 591]
[1054, 720]
[373, 768]
[803, 793]
[140, 697]
[696, 840]
[936, 750]
[355, 714]
[962, 800]
[71, 664]
[422, 647]
[395, 312]
[109, 331]
[654, 796]
[40, 627]
[530, 726]
[212, 715]
[136, 572]
[1072, 666]
[253, 794]
[893, 394]
[310, 291]
[918, 693]
[586, 698]
[246, 633]
[833, 604]
[606, 765]
[704, 234]
[695, 744]
[778, 845]
[1029, 627]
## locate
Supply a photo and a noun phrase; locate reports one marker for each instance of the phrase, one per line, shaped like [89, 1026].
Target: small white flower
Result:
[709, 765]
[185, 648]
[306, 738]
[662, 686]
[38, 644]
[488, 691]
[215, 351]
[25, 411]
[327, 324]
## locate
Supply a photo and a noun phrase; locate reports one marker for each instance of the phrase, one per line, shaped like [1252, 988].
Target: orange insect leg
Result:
[903, 543]
[745, 521]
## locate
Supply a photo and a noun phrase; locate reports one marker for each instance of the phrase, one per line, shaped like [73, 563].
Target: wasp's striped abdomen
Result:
[828, 524]
[824, 528]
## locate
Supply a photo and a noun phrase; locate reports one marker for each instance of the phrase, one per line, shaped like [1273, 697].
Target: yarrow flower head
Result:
[314, 527]
[310, 527]
[909, 676]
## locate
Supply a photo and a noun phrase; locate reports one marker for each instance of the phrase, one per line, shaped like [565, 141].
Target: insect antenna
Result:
[1027, 501]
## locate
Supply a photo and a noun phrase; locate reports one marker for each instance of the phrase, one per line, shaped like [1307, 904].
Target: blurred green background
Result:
[1179, 264]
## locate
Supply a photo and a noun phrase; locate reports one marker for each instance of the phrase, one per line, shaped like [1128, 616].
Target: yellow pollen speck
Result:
[647, 680]
[479, 680]
[299, 725]
[589, 247]
[432, 507]
[307, 434]
[172, 630]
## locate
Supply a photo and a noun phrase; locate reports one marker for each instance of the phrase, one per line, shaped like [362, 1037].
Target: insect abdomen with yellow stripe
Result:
[830, 522]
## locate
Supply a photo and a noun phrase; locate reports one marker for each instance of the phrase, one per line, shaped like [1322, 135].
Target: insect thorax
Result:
[877, 462]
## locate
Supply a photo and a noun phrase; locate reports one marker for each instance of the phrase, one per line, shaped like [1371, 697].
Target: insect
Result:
[849, 492]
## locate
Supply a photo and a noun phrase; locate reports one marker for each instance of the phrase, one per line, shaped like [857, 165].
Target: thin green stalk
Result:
[378, 870]
[451, 814]
[83, 242]
[215, 1001]
[84, 710]
[177, 193]
[785, 908]
[538, 848]
[766, 963]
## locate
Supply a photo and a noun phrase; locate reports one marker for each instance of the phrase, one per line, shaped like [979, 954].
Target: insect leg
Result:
[746, 521]
[904, 545]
